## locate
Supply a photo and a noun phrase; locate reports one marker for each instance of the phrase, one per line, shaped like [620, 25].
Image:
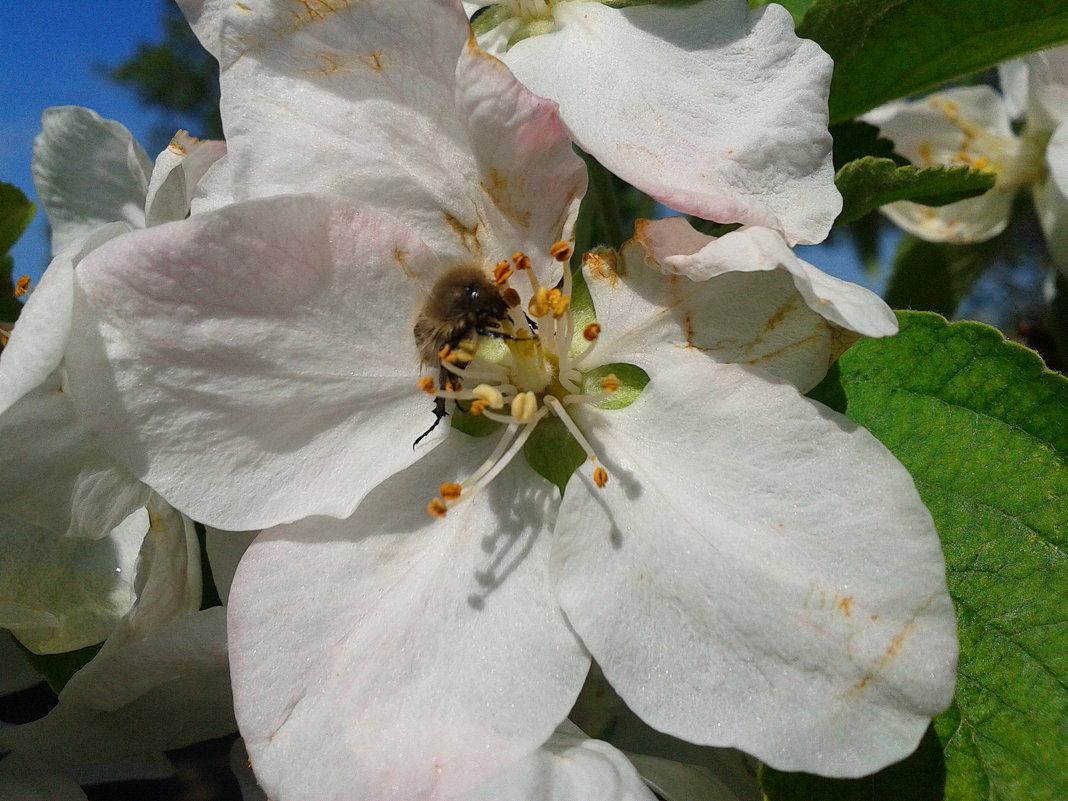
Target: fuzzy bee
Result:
[463, 304]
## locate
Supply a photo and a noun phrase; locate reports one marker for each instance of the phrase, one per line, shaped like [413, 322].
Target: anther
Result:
[521, 260]
[437, 508]
[561, 251]
[489, 396]
[611, 383]
[591, 332]
[559, 303]
[539, 304]
[477, 407]
[22, 286]
[511, 297]
[450, 492]
[426, 383]
[600, 477]
[501, 273]
[524, 405]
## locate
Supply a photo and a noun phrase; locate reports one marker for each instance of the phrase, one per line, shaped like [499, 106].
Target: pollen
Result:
[437, 508]
[521, 260]
[511, 297]
[600, 477]
[477, 407]
[561, 251]
[489, 396]
[559, 303]
[22, 286]
[539, 304]
[502, 272]
[450, 491]
[591, 332]
[428, 385]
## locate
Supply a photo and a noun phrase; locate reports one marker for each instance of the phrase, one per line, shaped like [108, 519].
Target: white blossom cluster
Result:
[226, 336]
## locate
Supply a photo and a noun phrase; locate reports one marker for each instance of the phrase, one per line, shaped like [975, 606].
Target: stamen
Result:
[22, 286]
[450, 492]
[501, 273]
[428, 385]
[524, 406]
[437, 509]
[561, 251]
[539, 303]
[477, 407]
[611, 383]
[511, 297]
[489, 396]
[591, 332]
[569, 424]
[600, 477]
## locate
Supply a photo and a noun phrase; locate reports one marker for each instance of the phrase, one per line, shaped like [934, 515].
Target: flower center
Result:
[519, 372]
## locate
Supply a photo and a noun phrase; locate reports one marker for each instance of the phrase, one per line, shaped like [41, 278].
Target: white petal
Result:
[39, 340]
[1051, 199]
[386, 103]
[569, 767]
[952, 128]
[759, 573]
[743, 298]
[88, 172]
[730, 124]
[392, 655]
[174, 178]
[255, 364]
[674, 781]
[174, 691]
[15, 672]
[61, 593]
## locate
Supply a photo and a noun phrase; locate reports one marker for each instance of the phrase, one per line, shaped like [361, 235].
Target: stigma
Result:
[520, 372]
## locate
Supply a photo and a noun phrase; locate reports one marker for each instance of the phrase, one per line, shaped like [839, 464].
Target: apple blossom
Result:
[971, 126]
[749, 568]
[711, 107]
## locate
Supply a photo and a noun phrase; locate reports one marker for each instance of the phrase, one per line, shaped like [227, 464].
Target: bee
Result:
[463, 304]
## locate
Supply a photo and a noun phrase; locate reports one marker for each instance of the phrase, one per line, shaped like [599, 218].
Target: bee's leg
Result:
[439, 414]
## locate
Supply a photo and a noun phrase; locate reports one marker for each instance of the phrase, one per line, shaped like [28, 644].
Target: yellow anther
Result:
[490, 396]
[22, 286]
[561, 251]
[444, 353]
[521, 260]
[591, 332]
[926, 153]
[539, 304]
[437, 508]
[559, 303]
[600, 477]
[511, 297]
[426, 383]
[524, 405]
[501, 273]
[981, 163]
[450, 492]
[611, 383]
[477, 407]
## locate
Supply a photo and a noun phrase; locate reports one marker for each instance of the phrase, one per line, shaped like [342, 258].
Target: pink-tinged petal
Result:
[88, 171]
[787, 568]
[387, 102]
[569, 767]
[256, 364]
[174, 178]
[1051, 199]
[742, 298]
[730, 125]
[394, 655]
[167, 690]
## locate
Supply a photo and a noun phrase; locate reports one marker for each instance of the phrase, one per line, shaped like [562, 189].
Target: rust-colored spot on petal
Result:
[468, 234]
[602, 266]
[845, 605]
[499, 187]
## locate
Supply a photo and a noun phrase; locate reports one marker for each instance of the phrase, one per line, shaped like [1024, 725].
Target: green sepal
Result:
[56, 669]
[487, 18]
[632, 379]
[982, 427]
[919, 777]
[474, 425]
[552, 452]
[870, 182]
[885, 49]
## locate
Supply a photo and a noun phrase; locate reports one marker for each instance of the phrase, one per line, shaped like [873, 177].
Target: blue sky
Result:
[52, 52]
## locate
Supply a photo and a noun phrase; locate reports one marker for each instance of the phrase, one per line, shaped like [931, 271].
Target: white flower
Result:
[971, 126]
[728, 545]
[712, 108]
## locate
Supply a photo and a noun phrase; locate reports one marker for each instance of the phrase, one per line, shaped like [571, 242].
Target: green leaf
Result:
[870, 182]
[796, 7]
[983, 428]
[919, 777]
[16, 213]
[854, 140]
[885, 49]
